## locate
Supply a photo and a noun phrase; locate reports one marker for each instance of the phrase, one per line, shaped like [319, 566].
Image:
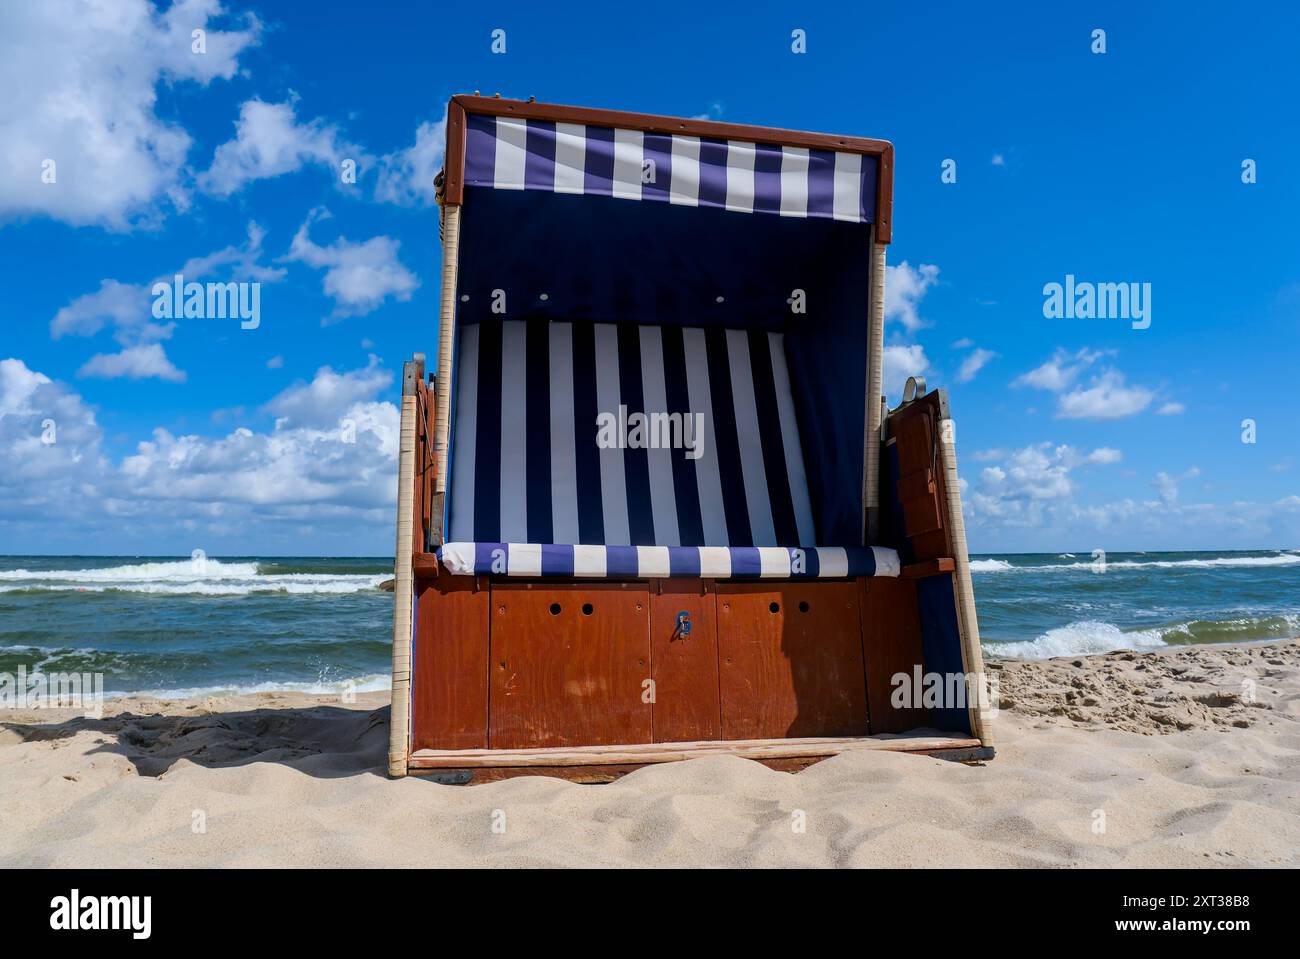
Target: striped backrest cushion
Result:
[549, 442]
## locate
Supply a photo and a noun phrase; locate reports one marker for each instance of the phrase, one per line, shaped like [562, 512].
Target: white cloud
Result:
[973, 363]
[358, 276]
[406, 177]
[275, 362]
[1030, 480]
[50, 456]
[1104, 455]
[1030, 500]
[269, 142]
[1171, 409]
[1167, 487]
[904, 287]
[133, 363]
[127, 310]
[124, 307]
[241, 263]
[330, 467]
[998, 160]
[320, 403]
[900, 362]
[1057, 373]
[1107, 397]
[340, 453]
[89, 75]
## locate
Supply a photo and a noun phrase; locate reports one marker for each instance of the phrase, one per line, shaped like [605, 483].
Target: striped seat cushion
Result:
[548, 446]
[769, 562]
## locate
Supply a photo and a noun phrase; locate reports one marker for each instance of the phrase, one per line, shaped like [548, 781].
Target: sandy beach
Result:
[1183, 757]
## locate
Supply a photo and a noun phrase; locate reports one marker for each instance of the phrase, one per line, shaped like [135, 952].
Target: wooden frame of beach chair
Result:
[587, 661]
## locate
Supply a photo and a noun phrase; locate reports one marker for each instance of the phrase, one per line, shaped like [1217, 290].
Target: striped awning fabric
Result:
[645, 562]
[546, 446]
[510, 153]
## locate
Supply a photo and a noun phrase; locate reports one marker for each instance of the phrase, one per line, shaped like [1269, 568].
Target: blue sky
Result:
[1073, 434]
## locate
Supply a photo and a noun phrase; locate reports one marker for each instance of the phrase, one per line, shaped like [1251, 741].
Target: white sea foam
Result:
[208, 577]
[1084, 638]
[373, 683]
[991, 565]
[1217, 562]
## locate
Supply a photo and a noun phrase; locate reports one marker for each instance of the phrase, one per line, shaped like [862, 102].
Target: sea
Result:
[181, 627]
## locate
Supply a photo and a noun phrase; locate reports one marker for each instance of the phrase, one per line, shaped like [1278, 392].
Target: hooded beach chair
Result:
[651, 503]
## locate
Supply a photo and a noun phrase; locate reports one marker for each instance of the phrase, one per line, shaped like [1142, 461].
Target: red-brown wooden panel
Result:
[449, 701]
[891, 644]
[685, 669]
[920, 483]
[790, 660]
[572, 677]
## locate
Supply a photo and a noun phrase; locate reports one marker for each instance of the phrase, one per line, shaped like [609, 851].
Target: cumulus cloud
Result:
[358, 276]
[1027, 481]
[49, 441]
[89, 75]
[1031, 498]
[1171, 409]
[123, 307]
[905, 285]
[240, 262]
[269, 142]
[1166, 485]
[133, 363]
[127, 310]
[900, 362]
[1106, 397]
[406, 177]
[328, 466]
[320, 402]
[1060, 371]
[973, 363]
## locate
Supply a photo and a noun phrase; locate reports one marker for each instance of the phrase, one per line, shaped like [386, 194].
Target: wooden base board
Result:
[594, 764]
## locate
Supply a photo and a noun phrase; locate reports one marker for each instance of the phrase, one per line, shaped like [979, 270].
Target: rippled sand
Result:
[1186, 757]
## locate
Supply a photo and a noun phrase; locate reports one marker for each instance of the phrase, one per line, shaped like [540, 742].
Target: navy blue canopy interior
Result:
[531, 255]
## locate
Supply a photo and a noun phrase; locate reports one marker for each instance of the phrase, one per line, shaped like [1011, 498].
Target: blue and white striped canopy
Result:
[510, 153]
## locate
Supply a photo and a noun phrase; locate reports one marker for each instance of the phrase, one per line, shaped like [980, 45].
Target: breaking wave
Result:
[205, 577]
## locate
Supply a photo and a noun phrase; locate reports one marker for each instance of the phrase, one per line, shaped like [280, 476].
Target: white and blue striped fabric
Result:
[652, 562]
[534, 492]
[529, 463]
[509, 153]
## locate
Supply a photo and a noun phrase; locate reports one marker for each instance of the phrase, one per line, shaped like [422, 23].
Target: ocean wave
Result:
[1084, 638]
[372, 683]
[179, 570]
[990, 566]
[1089, 637]
[1217, 562]
[209, 577]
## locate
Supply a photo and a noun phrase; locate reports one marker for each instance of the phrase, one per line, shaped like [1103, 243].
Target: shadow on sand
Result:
[323, 741]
